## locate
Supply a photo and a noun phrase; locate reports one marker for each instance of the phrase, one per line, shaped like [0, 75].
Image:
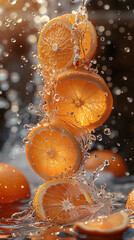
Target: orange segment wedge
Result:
[117, 165]
[110, 225]
[86, 33]
[56, 45]
[52, 151]
[83, 98]
[62, 201]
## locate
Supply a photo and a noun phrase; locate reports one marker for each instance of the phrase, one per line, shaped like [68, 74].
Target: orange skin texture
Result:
[13, 184]
[117, 167]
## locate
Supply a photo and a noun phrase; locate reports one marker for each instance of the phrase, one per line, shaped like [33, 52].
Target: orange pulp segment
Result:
[62, 201]
[86, 33]
[117, 166]
[112, 224]
[56, 45]
[52, 151]
[83, 99]
[13, 184]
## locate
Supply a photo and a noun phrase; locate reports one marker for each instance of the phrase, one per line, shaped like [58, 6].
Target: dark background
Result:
[114, 22]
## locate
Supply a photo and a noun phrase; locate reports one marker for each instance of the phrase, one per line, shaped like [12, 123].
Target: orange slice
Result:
[83, 99]
[62, 201]
[13, 184]
[86, 33]
[52, 151]
[56, 45]
[130, 201]
[110, 225]
[117, 165]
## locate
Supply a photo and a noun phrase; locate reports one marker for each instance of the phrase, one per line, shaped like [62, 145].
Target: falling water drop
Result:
[127, 49]
[107, 131]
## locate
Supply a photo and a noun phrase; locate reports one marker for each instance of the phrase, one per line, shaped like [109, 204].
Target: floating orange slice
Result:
[56, 45]
[13, 184]
[86, 34]
[62, 201]
[52, 151]
[117, 165]
[113, 224]
[83, 99]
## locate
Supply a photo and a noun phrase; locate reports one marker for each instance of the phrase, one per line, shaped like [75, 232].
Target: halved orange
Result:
[52, 151]
[62, 201]
[113, 224]
[83, 99]
[130, 202]
[86, 33]
[13, 184]
[117, 166]
[56, 45]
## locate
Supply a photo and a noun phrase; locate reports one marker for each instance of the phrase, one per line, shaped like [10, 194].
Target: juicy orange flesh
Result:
[107, 223]
[52, 152]
[82, 98]
[68, 203]
[57, 46]
[83, 33]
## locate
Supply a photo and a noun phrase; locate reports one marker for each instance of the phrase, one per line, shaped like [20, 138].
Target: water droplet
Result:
[107, 131]
[3, 75]
[130, 99]
[24, 59]
[13, 40]
[127, 49]
[56, 97]
[15, 77]
[124, 78]
[25, 140]
[99, 137]
[12, 2]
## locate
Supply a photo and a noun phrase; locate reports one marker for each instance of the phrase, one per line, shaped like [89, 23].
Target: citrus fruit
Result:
[81, 97]
[52, 151]
[113, 224]
[130, 201]
[56, 44]
[117, 166]
[62, 201]
[86, 34]
[13, 184]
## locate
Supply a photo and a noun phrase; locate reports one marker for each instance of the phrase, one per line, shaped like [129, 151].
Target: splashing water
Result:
[25, 224]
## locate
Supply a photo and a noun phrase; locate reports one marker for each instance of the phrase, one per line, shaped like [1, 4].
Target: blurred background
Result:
[20, 80]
